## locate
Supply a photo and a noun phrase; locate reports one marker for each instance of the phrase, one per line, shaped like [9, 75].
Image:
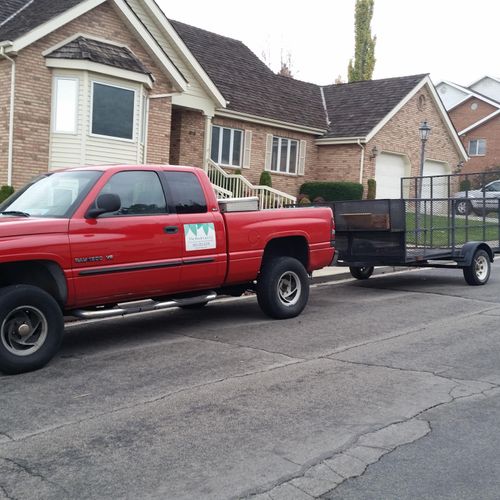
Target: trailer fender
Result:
[468, 251]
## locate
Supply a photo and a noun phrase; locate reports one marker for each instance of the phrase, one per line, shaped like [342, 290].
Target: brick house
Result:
[475, 112]
[106, 81]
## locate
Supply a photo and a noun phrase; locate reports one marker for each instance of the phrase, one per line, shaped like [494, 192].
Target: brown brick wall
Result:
[188, 133]
[338, 163]
[490, 131]
[5, 72]
[159, 118]
[34, 90]
[463, 116]
[288, 183]
[401, 135]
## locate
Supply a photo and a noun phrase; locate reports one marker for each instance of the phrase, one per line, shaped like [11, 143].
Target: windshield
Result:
[55, 195]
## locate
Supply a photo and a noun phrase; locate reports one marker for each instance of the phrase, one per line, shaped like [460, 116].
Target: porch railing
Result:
[237, 186]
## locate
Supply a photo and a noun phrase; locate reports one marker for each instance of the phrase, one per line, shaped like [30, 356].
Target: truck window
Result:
[140, 192]
[187, 193]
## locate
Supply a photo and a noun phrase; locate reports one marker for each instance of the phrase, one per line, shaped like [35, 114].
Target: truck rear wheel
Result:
[283, 288]
[361, 273]
[31, 328]
[478, 273]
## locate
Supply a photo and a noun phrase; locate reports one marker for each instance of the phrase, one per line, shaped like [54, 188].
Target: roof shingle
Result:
[100, 52]
[354, 109]
[34, 14]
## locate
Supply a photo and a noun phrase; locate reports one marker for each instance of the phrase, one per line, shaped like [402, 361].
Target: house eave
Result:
[270, 122]
[329, 141]
[480, 122]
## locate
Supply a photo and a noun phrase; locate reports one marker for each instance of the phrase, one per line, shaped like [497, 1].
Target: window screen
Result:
[113, 111]
[186, 191]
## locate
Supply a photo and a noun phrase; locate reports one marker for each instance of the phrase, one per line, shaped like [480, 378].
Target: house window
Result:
[477, 147]
[112, 111]
[65, 105]
[284, 155]
[226, 146]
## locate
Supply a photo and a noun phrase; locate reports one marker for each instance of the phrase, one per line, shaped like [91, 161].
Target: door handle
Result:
[171, 229]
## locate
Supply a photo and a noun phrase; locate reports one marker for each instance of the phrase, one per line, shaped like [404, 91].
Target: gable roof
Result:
[248, 84]
[468, 94]
[19, 17]
[356, 108]
[97, 51]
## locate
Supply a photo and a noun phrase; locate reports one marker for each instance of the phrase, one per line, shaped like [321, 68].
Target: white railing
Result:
[236, 186]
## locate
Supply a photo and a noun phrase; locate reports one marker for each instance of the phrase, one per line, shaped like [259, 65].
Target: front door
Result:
[135, 252]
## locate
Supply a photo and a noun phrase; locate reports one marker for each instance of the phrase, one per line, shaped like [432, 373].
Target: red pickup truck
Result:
[96, 242]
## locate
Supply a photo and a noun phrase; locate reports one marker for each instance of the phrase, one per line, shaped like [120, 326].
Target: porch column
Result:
[207, 140]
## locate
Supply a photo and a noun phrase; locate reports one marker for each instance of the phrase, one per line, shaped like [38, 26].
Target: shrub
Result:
[265, 179]
[5, 192]
[372, 189]
[465, 185]
[333, 191]
[304, 200]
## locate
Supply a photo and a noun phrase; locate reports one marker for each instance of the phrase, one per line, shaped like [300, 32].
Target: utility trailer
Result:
[416, 232]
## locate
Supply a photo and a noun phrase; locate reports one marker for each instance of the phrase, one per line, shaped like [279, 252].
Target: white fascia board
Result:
[484, 78]
[330, 141]
[176, 76]
[270, 122]
[194, 102]
[480, 122]
[172, 35]
[103, 69]
[54, 23]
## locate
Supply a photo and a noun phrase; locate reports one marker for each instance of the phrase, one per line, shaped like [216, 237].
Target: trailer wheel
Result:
[463, 207]
[282, 288]
[478, 273]
[31, 328]
[361, 273]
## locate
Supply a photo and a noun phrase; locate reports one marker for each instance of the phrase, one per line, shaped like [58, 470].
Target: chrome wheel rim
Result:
[481, 267]
[289, 288]
[24, 330]
[462, 207]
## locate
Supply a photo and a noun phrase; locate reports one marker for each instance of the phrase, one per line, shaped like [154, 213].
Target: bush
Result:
[5, 192]
[333, 191]
[465, 185]
[265, 179]
[372, 189]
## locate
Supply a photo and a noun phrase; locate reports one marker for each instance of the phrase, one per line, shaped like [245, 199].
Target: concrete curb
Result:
[343, 273]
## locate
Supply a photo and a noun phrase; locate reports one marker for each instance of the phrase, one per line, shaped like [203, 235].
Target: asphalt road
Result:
[383, 389]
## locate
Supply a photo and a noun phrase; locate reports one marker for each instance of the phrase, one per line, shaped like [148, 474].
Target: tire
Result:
[478, 273]
[31, 328]
[361, 273]
[463, 207]
[282, 288]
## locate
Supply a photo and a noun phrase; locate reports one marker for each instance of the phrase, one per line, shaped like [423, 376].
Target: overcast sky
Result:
[450, 39]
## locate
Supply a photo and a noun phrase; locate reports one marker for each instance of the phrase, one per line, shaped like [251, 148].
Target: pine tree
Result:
[364, 53]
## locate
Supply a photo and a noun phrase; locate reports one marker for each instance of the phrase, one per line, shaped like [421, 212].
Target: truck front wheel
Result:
[283, 288]
[31, 328]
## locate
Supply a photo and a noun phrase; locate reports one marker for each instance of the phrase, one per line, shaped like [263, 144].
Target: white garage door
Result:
[439, 184]
[388, 172]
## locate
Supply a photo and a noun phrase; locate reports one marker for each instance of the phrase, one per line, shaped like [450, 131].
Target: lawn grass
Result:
[436, 230]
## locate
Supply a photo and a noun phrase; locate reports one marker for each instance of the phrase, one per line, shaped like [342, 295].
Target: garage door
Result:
[439, 184]
[388, 172]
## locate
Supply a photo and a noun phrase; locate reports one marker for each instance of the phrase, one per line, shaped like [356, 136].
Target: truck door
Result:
[135, 252]
[202, 231]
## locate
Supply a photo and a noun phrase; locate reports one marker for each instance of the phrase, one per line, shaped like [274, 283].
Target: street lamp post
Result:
[424, 130]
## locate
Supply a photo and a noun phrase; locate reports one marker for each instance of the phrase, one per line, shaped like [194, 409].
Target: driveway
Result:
[387, 388]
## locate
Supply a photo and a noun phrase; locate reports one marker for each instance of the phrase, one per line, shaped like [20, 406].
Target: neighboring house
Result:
[106, 81]
[475, 112]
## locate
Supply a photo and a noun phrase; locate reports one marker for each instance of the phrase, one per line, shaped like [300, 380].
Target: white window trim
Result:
[55, 104]
[91, 112]
[476, 153]
[278, 158]
[231, 146]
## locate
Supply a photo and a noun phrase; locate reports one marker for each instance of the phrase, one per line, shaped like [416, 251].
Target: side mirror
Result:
[104, 204]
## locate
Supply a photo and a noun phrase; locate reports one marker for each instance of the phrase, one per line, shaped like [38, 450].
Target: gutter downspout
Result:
[10, 153]
[207, 141]
[362, 164]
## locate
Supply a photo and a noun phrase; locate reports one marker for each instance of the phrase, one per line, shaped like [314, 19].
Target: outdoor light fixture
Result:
[424, 135]
[374, 153]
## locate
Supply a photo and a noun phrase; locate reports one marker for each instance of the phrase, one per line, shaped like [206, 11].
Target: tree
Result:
[286, 65]
[364, 52]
